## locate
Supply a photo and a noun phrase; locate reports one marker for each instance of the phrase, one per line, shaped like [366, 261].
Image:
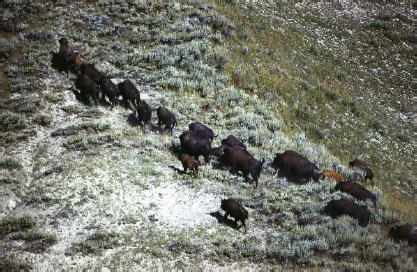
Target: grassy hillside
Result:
[85, 187]
[343, 74]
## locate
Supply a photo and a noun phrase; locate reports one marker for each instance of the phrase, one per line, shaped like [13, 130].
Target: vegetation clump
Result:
[14, 224]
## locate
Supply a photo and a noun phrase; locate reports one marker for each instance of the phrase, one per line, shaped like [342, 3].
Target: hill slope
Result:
[84, 187]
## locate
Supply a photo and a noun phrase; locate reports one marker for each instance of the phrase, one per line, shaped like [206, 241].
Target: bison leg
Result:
[233, 169]
[256, 182]
[225, 217]
[207, 158]
[243, 224]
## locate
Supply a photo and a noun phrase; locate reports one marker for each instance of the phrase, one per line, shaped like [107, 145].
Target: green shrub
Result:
[13, 224]
[36, 241]
[10, 121]
[97, 243]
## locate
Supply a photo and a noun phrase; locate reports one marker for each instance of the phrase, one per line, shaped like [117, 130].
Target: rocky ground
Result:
[85, 187]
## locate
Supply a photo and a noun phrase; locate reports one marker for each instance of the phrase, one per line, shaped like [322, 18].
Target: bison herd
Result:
[197, 141]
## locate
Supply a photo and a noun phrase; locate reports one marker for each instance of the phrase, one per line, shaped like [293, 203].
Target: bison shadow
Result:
[81, 98]
[132, 120]
[224, 221]
[155, 128]
[179, 171]
[216, 163]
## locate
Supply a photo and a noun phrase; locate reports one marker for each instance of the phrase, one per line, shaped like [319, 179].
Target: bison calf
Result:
[296, 167]
[406, 232]
[333, 175]
[88, 88]
[240, 160]
[144, 113]
[189, 162]
[195, 145]
[167, 118]
[129, 92]
[202, 130]
[235, 210]
[109, 89]
[364, 167]
[232, 141]
[356, 190]
[336, 208]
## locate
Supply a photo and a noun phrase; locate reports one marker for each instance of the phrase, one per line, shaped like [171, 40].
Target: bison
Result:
[88, 88]
[405, 232]
[129, 92]
[109, 89]
[144, 113]
[167, 118]
[330, 174]
[89, 70]
[235, 210]
[66, 55]
[240, 160]
[202, 130]
[296, 167]
[356, 190]
[232, 141]
[364, 167]
[336, 208]
[189, 162]
[195, 145]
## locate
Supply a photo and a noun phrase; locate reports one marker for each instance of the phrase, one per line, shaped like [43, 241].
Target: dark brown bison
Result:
[66, 55]
[195, 145]
[129, 93]
[330, 174]
[232, 141]
[144, 113]
[89, 70]
[296, 167]
[364, 167]
[356, 190]
[189, 162]
[109, 89]
[336, 208]
[88, 88]
[235, 210]
[202, 130]
[406, 232]
[240, 160]
[167, 118]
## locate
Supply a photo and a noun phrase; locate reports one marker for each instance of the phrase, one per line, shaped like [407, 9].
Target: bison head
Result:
[256, 170]
[63, 41]
[394, 232]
